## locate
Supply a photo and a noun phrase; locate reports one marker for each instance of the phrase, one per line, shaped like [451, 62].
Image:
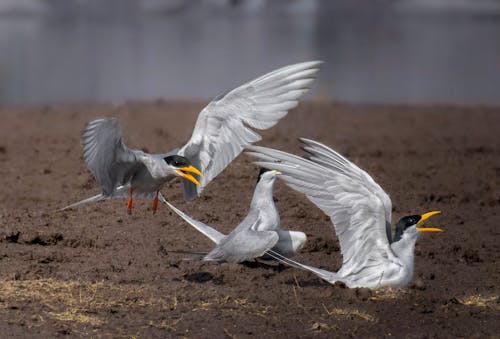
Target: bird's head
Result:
[263, 194]
[182, 167]
[267, 175]
[412, 223]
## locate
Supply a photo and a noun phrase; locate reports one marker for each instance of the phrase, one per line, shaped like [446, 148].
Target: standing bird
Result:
[360, 211]
[223, 129]
[259, 234]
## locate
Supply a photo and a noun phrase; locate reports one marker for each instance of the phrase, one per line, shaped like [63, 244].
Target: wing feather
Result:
[356, 204]
[206, 230]
[106, 156]
[225, 126]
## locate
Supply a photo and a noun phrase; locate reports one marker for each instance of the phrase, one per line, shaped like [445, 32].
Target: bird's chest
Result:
[269, 220]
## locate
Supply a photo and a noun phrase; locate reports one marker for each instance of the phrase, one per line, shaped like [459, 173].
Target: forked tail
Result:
[97, 197]
[121, 192]
[323, 274]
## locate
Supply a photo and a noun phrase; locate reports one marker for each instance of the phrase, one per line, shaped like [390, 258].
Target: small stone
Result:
[363, 293]
[419, 284]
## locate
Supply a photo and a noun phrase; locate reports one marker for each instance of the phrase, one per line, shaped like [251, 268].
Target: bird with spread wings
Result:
[224, 128]
[360, 211]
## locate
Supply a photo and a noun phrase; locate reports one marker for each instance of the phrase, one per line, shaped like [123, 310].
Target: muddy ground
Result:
[96, 271]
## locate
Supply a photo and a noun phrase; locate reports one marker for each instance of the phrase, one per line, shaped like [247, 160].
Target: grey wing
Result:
[244, 245]
[208, 231]
[357, 206]
[110, 161]
[226, 125]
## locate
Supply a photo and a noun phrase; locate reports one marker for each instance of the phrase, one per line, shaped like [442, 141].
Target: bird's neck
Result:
[158, 169]
[263, 196]
[404, 248]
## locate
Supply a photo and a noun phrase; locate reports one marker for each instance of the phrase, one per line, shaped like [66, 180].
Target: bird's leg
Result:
[129, 203]
[155, 203]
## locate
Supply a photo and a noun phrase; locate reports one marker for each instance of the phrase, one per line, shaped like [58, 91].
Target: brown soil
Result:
[96, 271]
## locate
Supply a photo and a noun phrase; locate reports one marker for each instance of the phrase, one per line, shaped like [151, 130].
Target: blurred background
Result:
[375, 51]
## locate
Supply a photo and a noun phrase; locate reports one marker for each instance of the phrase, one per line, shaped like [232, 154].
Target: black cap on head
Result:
[404, 223]
[262, 171]
[177, 161]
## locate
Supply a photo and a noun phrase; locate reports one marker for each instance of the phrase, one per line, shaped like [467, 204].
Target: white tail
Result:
[98, 197]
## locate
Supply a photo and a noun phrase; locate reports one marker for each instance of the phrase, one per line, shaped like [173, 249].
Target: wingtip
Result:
[305, 140]
[263, 164]
[312, 63]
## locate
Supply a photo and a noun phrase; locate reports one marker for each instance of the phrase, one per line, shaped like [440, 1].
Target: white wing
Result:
[110, 161]
[225, 126]
[206, 230]
[356, 204]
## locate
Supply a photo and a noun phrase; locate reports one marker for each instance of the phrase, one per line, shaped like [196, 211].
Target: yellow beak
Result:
[426, 216]
[185, 173]
[277, 172]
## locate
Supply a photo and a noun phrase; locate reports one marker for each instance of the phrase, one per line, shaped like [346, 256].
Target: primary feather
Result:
[226, 125]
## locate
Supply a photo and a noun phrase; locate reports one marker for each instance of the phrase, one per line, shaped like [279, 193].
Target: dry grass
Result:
[74, 301]
[318, 327]
[231, 303]
[350, 313]
[387, 294]
[481, 301]
[76, 316]
[166, 325]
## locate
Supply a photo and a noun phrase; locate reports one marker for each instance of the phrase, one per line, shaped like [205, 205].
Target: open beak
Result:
[426, 216]
[185, 172]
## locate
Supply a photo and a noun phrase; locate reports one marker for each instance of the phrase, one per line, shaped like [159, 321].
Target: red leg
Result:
[155, 203]
[129, 203]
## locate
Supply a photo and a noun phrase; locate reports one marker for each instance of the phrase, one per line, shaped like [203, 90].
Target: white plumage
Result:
[360, 211]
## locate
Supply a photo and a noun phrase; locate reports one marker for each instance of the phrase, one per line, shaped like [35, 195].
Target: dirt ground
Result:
[95, 271]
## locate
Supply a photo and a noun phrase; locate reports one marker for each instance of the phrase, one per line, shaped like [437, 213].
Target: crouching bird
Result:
[360, 211]
[258, 235]
[223, 129]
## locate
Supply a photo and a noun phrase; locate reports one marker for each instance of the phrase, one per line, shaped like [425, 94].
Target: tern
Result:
[223, 129]
[360, 211]
[258, 235]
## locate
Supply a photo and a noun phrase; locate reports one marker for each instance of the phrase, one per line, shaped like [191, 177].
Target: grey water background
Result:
[382, 51]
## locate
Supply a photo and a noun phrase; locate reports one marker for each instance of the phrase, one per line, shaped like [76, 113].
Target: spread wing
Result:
[356, 204]
[226, 125]
[106, 156]
[208, 231]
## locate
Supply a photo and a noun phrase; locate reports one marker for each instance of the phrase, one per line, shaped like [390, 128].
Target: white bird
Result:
[360, 211]
[259, 234]
[223, 129]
